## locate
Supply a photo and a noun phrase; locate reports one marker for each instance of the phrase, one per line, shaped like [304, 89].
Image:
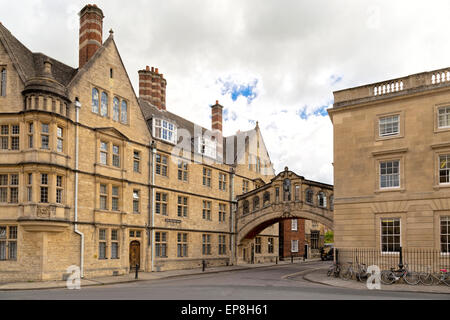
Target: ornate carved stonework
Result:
[45, 212]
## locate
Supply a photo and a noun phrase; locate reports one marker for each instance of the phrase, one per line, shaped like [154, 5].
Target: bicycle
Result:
[362, 274]
[391, 276]
[429, 278]
[334, 269]
[348, 273]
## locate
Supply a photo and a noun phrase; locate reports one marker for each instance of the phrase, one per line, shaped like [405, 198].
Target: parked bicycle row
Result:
[362, 272]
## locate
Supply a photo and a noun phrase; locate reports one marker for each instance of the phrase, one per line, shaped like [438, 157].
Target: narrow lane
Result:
[255, 284]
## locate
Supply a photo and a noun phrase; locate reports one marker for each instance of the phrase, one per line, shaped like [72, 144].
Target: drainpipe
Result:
[77, 109]
[152, 166]
[232, 211]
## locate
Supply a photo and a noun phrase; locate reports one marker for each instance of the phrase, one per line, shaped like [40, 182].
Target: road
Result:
[269, 283]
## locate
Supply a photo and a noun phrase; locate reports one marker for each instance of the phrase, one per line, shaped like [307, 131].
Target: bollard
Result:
[276, 260]
[292, 258]
[203, 265]
[137, 270]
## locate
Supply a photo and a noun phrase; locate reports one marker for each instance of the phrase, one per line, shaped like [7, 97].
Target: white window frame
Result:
[447, 168]
[390, 123]
[391, 175]
[446, 114]
[167, 129]
[447, 219]
[294, 225]
[381, 234]
[294, 246]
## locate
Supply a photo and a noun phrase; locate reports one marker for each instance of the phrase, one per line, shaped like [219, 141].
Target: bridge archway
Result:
[286, 196]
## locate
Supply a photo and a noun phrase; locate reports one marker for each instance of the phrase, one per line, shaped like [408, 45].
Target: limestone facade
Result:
[391, 141]
[88, 176]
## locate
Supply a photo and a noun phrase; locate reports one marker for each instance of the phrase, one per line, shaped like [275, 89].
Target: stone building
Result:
[90, 175]
[391, 169]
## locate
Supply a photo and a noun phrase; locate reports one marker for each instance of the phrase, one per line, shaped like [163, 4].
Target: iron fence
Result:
[417, 259]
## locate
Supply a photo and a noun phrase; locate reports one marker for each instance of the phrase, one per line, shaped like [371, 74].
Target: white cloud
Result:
[292, 48]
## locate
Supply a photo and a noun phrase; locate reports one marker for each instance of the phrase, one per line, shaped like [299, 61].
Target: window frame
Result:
[399, 219]
[161, 128]
[8, 240]
[380, 162]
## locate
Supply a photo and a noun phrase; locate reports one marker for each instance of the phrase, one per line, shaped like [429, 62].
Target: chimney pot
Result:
[146, 83]
[90, 33]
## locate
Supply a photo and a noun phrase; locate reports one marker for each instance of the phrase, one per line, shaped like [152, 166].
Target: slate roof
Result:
[31, 64]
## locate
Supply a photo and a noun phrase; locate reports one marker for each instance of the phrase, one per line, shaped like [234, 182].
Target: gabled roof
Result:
[112, 131]
[30, 65]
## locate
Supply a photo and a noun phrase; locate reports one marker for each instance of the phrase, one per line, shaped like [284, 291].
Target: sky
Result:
[272, 61]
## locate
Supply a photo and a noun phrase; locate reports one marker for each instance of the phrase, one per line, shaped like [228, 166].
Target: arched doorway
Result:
[135, 254]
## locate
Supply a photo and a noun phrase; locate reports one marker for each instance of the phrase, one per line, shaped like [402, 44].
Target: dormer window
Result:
[206, 146]
[165, 130]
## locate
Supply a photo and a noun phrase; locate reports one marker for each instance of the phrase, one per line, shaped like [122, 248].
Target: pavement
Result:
[317, 275]
[142, 276]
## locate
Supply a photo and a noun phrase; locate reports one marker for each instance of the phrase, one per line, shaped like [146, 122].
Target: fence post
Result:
[400, 264]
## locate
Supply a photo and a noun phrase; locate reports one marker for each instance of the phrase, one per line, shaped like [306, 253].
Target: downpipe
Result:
[76, 230]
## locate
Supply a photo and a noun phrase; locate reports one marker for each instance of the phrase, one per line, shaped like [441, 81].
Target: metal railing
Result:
[417, 259]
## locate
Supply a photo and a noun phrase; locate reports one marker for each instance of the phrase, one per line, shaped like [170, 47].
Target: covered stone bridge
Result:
[287, 196]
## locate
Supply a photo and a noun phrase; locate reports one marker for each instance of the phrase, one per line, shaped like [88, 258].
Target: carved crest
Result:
[43, 212]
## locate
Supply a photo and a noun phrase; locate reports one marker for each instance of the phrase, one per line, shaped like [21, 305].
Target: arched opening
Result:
[266, 198]
[309, 196]
[135, 254]
[245, 207]
[255, 203]
[322, 199]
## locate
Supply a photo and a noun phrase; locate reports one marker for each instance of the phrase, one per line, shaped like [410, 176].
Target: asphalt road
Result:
[255, 284]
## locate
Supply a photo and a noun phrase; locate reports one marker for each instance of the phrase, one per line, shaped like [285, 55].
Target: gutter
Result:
[77, 109]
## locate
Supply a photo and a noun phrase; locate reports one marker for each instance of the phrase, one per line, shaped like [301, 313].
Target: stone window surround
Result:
[109, 196]
[436, 108]
[110, 141]
[438, 150]
[389, 155]
[401, 126]
[3, 82]
[111, 96]
[108, 242]
[390, 215]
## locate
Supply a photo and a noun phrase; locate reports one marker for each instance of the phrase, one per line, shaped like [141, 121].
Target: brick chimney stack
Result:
[91, 32]
[152, 87]
[216, 120]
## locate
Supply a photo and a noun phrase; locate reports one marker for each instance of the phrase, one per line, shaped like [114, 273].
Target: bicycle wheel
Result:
[426, 279]
[337, 271]
[362, 276]
[330, 271]
[446, 280]
[411, 278]
[347, 274]
[387, 277]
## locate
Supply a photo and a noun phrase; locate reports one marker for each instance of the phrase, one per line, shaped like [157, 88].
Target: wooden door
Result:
[135, 254]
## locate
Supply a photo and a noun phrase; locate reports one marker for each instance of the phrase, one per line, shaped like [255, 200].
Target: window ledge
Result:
[390, 190]
[439, 186]
[385, 152]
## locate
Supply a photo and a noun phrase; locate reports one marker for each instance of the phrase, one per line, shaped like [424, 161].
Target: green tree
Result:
[329, 237]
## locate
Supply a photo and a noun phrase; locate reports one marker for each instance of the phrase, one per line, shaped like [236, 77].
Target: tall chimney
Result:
[216, 119]
[91, 32]
[152, 87]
